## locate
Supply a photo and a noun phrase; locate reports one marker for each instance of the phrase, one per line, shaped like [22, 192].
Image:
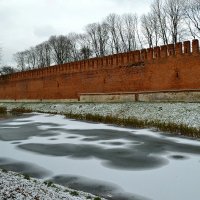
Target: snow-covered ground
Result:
[180, 113]
[20, 187]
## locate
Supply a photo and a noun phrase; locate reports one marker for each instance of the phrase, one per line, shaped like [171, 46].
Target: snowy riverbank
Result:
[16, 186]
[178, 113]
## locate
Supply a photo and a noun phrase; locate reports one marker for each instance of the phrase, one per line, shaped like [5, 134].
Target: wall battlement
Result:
[165, 68]
[132, 58]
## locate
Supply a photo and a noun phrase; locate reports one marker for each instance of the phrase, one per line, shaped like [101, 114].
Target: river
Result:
[113, 162]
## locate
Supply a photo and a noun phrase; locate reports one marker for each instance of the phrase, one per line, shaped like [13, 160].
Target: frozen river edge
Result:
[183, 116]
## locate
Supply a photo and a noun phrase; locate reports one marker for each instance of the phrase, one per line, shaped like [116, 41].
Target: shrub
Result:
[20, 110]
[4, 170]
[97, 198]
[66, 190]
[74, 193]
[26, 176]
[48, 183]
[3, 110]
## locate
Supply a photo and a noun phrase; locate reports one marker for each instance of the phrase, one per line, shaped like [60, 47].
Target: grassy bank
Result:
[136, 123]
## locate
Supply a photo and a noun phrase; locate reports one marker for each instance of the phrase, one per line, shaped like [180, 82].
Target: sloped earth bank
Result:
[109, 161]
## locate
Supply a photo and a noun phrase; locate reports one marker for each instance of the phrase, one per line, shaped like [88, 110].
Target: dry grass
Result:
[3, 110]
[136, 123]
[128, 122]
[20, 110]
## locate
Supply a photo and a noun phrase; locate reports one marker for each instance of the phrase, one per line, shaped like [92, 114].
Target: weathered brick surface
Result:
[169, 68]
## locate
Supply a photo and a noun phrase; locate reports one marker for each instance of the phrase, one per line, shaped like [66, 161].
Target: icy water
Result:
[116, 163]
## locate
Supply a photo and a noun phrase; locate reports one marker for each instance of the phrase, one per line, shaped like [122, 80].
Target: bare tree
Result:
[147, 28]
[20, 58]
[130, 25]
[60, 46]
[98, 34]
[35, 57]
[175, 14]
[47, 51]
[156, 29]
[74, 47]
[114, 37]
[31, 57]
[85, 46]
[91, 31]
[127, 27]
[150, 29]
[4, 70]
[40, 56]
[157, 8]
[102, 33]
[192, 14]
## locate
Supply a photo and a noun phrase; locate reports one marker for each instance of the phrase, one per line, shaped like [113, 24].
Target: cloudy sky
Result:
[25, 23]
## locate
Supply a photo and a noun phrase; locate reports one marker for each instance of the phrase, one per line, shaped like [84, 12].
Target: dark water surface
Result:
[116, 163]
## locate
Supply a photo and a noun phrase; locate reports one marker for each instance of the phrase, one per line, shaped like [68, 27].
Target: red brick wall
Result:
[166, 68]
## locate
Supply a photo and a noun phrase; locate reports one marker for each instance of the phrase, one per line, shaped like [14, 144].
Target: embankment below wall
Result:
[179, 118]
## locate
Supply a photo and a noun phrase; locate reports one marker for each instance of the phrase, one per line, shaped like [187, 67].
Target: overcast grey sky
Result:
[25, 23]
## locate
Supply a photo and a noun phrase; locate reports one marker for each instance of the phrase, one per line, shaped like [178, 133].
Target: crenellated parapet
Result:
[111, 61]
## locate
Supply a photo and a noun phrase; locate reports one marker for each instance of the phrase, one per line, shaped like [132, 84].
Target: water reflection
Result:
[109, 191]
[123, 158]
[24, 167]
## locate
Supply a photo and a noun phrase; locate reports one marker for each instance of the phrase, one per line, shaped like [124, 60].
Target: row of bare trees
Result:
[115, 34]
[168, 21]
[171, 21]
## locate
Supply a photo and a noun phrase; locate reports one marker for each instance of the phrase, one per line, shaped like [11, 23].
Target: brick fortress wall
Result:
[162, 69]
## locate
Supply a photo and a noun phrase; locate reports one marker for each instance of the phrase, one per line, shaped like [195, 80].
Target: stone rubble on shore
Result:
[20, 187]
